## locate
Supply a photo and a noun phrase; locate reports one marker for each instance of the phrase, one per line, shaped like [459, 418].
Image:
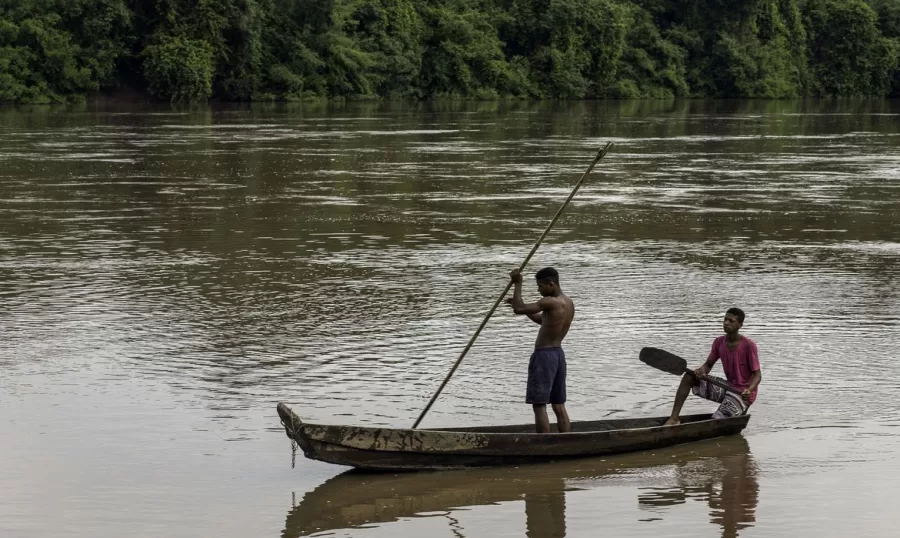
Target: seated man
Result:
[740, 360]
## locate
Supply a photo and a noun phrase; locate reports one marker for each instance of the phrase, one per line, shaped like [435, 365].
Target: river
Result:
[167, 275]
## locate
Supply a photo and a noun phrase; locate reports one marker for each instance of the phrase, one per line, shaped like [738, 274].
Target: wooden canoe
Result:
[452, 448]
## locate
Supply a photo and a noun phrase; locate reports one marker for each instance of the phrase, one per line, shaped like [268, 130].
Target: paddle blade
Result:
[663, 360]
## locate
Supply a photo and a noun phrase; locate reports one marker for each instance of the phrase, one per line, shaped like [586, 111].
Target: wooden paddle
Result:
[675, 365]
[600, 155]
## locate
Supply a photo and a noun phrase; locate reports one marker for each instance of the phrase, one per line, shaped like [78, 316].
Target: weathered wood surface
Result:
[407, 449]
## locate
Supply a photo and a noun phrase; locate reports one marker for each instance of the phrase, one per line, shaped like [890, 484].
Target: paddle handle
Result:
[716, 382]
[600, 155]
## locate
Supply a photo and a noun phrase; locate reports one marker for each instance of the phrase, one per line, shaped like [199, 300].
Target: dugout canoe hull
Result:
[389, 449]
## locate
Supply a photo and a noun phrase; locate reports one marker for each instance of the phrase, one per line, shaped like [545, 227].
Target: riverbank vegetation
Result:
[289, 50]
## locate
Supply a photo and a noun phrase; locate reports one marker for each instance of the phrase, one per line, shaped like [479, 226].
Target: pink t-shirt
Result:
[739, 363]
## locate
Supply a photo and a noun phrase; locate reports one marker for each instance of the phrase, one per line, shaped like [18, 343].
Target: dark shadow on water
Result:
[719, 471]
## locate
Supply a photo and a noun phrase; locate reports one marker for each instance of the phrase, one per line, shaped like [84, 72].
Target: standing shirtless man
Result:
[547, 367]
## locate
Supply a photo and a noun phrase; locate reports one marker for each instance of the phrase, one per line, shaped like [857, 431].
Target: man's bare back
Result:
[556, 318]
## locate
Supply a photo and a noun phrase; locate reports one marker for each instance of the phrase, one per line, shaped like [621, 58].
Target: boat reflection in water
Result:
[727, 482]
[720, 472]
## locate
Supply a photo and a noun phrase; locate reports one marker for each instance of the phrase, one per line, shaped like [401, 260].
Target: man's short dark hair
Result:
[738, 313]
[547, 273]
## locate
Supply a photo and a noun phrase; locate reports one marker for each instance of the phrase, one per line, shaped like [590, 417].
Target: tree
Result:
[650, 65]
[51, 50]
[572, 47]
[463, 55]
[392, 33]
[848, 56]
[54, 49]
[179, 69]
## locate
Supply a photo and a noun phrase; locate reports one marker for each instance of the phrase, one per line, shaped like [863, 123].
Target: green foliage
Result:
[571, 47]
[849, 56]
[748, 48]
[308, 53]
[463, 55]
[52, 50]
[179, 69]
[392, 33]
[889, 23]
[650, 66]
[888, 12]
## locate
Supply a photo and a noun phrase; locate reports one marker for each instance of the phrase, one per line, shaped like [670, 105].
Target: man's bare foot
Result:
[673, 421]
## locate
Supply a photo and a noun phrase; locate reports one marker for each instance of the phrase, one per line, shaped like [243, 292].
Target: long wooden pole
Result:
[600, 155]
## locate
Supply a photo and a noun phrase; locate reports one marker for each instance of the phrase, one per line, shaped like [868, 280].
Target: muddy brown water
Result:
[167, 276]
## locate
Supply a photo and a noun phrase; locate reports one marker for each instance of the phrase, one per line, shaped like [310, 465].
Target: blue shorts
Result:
[546, 376]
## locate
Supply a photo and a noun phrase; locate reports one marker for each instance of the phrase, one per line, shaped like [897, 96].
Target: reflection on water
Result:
[545, 514]
[719, 472]
[727, 483]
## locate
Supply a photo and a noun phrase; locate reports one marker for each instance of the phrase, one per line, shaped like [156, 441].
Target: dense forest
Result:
[274, 50]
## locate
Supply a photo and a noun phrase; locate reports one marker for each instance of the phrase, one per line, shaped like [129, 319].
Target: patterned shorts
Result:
[730, 405]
